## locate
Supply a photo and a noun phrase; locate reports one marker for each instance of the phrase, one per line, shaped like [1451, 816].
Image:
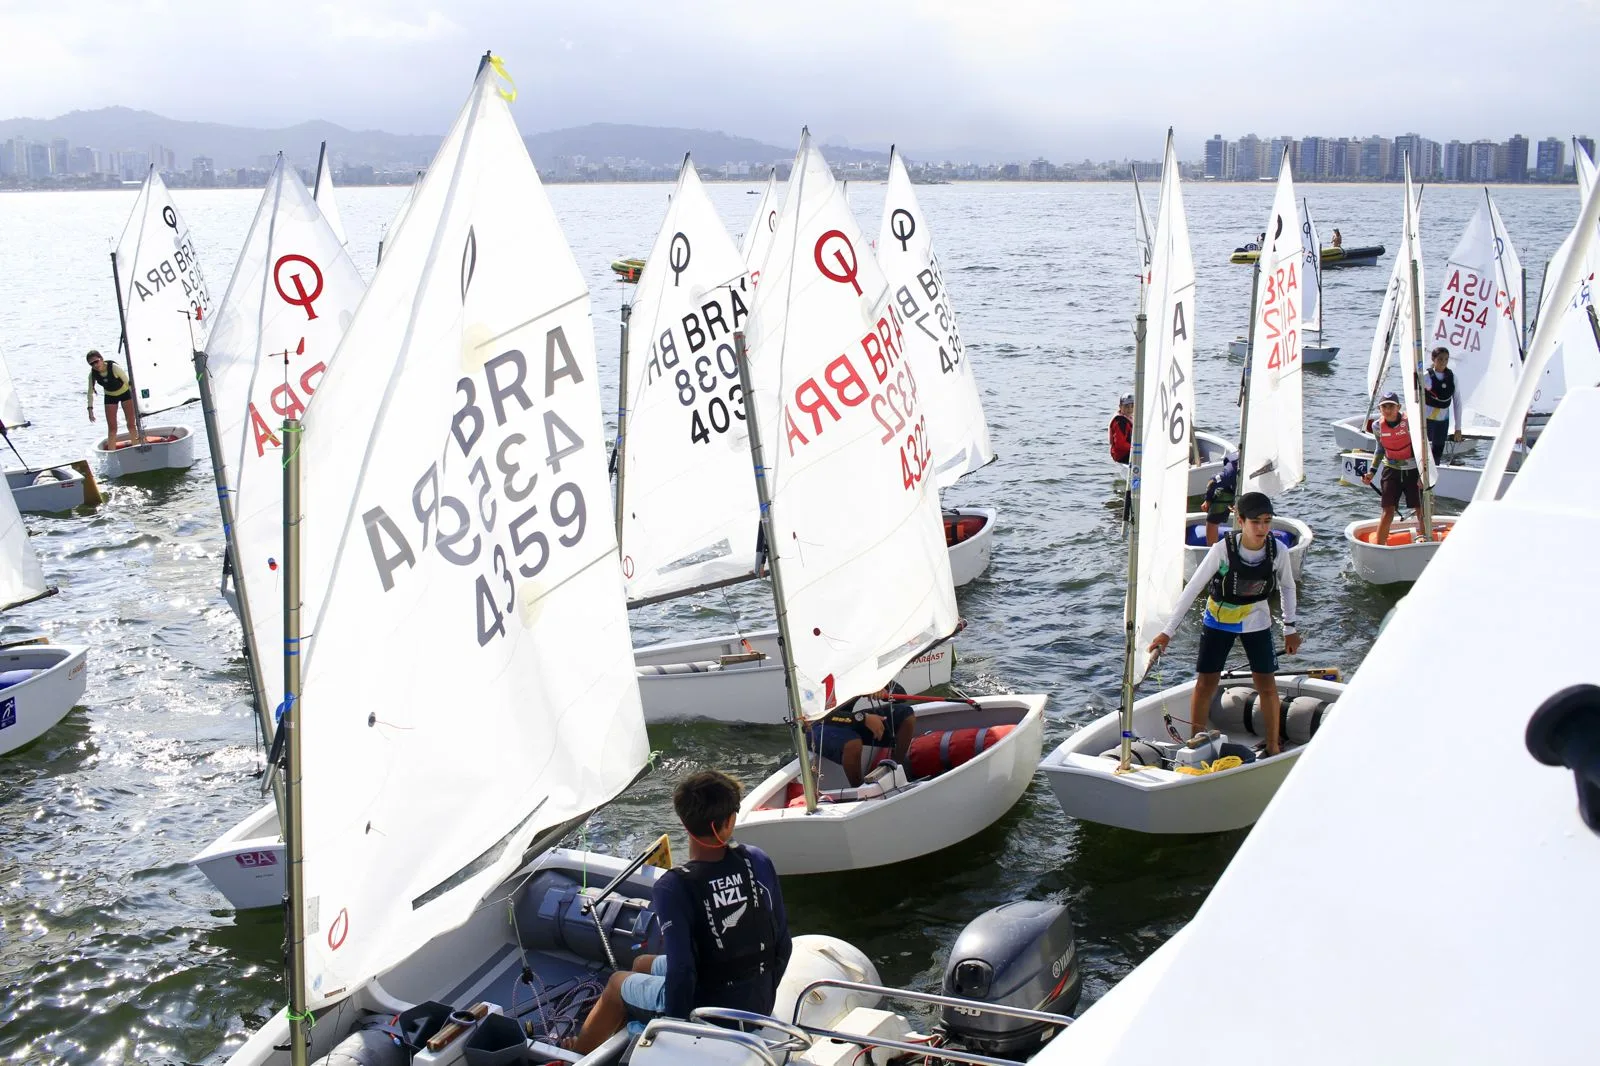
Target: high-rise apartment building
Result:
[1551, 164]
[1516, 159]
[1214, 156]
[1481, 161]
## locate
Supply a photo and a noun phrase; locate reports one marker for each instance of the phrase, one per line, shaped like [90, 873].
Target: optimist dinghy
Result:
[39, 682]
[1313, 352]
[47, 489]
[161, 300]
[1406, 550]
[856, 600]
[1128, 768]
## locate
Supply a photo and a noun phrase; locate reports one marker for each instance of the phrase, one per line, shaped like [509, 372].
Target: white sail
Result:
[1310, 270]
[849, 458]
[1164, 423]
[1412, 360]
[469, 681]
[165, 302]
[689, 510]
[763, 225]
[1583, 165]
[1273, 458]
[399, 216]
[932, 338]
[1386, 334]
[322, 192]
[21, 577]
[293, 293]
[1576, 359]
[1143, 240]
[11, 413]
[1477, 318]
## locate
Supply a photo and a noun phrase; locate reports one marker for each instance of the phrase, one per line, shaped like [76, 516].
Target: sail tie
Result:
[499, 67]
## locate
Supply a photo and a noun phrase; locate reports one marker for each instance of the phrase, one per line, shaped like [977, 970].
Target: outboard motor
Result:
[1022, 955]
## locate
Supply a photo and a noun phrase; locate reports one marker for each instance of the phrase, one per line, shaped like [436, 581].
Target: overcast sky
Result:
[1063, 78]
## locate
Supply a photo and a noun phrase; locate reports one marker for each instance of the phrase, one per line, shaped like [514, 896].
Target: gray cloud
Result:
[1065, 78]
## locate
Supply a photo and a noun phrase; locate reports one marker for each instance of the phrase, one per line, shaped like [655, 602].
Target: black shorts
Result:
[829, 740]
[117, 401]
[1217, 514]
[1396, 482]
[1216, 643]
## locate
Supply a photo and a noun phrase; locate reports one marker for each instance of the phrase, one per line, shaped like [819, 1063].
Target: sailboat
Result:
[1401, 864]
[293, 292]
[322, 192]
[1207, 451]
[958, 433]
[40, 489]
[686, 509]
[1576, 358]
[1312, 351]
[393, 227]
[838, 427]
[39, 682]
[1413, 542]
[1272, 415]
[162, 300]
[467, 697]
[1094, 771]
[757, 239]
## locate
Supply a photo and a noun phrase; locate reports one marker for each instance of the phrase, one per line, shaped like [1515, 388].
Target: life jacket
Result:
[1238, 583]
[1395, 441]
[1121, 438]
[1441, 388]
[734, 934]
[108, 382]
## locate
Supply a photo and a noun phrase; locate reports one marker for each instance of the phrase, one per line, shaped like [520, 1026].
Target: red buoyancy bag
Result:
[934, 753]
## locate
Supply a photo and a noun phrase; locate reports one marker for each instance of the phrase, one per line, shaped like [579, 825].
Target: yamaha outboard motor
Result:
[1022, 955]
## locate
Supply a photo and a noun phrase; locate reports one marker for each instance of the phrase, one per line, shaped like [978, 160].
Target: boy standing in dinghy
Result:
[1242, 569]
[725, 932]
[1121, 429]
[1398, 460]
[1440, 396]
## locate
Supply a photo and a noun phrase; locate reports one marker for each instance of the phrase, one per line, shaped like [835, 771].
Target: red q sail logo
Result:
[339, 930]
[297, 279]
[830, 250]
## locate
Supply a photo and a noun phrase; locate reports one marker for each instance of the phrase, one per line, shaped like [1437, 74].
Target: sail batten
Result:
[918, 287]
[850, 468]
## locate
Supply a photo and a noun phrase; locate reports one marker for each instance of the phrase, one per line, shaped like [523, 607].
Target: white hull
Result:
[1310, 354]
[30, 708]
[1154, 800]
[696, 679]
[1213, 449]
[174, 454]
[1460, 482]
[63, 492]
[920, 817]
[482, 960]
[970, 557]
[1390, 564]
[246, 863]
[1193, 553]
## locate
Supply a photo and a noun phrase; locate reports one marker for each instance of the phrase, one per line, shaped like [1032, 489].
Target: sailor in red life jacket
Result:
[1122, 429]
[1399, 462]
[1242, 571]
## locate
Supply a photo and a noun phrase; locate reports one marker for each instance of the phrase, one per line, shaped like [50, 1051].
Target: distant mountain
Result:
[111, 129]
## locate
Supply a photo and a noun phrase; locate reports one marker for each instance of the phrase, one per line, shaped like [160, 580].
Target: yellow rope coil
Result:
[1227, 762]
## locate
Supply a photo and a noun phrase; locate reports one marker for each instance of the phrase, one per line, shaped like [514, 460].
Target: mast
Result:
[293, 828]
[1244, 387]
[619, 457]
[135, 430]
[797, 721]
[1136, 486]
[1425, 512]
[225, 502]
[322, 161]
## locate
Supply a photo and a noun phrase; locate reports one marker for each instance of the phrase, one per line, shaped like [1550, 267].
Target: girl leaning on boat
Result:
[113, 381]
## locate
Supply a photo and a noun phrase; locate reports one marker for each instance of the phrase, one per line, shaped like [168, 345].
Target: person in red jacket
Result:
[1122, 429]
[1399, 462]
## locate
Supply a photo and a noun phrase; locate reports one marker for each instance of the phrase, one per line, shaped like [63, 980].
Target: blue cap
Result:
[1390, 397]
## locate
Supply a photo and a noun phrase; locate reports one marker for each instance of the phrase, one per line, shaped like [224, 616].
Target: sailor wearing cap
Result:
[1242, 570]
[1122, 429]
[1399, 462]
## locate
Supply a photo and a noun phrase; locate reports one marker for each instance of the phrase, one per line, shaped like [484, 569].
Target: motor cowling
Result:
[1020, 954]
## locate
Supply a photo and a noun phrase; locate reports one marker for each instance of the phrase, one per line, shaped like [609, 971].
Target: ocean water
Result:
[112, 950]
